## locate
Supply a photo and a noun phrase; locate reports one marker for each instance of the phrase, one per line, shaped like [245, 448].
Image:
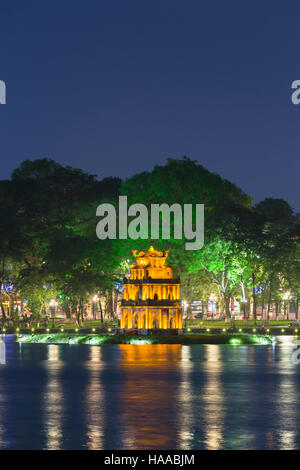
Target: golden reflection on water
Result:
[213, 399]
[53, 400]
[146, 393]
[95, 401]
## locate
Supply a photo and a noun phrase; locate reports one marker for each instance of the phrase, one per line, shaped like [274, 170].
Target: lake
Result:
[149, 397]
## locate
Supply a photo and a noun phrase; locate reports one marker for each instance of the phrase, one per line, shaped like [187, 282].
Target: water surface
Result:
[149, 397]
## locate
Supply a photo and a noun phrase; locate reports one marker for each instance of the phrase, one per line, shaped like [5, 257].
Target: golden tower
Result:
[151, 297]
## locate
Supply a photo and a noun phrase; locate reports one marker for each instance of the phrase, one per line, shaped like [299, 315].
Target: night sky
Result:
[116, 87]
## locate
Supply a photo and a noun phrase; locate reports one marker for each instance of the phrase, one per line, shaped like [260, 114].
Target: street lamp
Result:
[213, 299]
[95, 300]
[244, 302]
[185, 307]
[287, 297]
[53, 304]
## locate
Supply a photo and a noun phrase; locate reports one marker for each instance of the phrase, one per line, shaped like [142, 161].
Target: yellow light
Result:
[224, 329]
[254, 330]
[268, 330]
[76, 330]
[109, 329]
[296, 330]
[17, 329]
[240, 329]
[282, 330]
[62, 330]
[4, 329]
[32, 329]
[208, 330]
[48, 330]
[94, 329]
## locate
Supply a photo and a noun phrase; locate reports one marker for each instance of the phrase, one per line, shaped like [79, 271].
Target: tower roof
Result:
[144, 259]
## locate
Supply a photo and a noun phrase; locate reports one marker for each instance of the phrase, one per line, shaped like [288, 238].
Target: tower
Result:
[151, 297]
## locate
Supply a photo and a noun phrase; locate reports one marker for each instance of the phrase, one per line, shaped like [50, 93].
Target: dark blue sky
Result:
[115, 87]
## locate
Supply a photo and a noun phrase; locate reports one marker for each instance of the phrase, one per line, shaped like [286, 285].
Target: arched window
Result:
[135, 323]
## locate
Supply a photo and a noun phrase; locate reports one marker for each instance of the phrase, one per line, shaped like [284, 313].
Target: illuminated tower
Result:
[151, 297]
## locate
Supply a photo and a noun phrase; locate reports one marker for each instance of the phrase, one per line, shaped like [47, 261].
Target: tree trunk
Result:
[3, 311]
[269, 303]
[227, 307]
[254, 299]
[101, 312]
[109, 303]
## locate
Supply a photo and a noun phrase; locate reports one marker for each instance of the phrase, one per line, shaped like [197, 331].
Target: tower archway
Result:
[135, 321]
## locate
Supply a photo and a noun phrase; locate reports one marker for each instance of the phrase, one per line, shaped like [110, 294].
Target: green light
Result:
[140, 341]
[235, 341]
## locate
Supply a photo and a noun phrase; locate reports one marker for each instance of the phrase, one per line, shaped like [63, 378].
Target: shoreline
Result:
[98, 340]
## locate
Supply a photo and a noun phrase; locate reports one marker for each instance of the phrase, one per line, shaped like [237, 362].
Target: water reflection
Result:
[148, 392]
[149, 397]
[185, 403]
[95, 401]
[53, 400]
[2, 417]
[213, 399]
[287, 400]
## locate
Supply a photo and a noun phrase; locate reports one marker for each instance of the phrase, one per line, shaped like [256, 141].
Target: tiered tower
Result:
[151, 297]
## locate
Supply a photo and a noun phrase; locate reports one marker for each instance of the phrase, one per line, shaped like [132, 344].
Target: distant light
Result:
[94, 329]
[240, 329]
[254, 330]
[224, 329]
[208, 330]
[282, 330]
[296, 330]
[235, 341]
